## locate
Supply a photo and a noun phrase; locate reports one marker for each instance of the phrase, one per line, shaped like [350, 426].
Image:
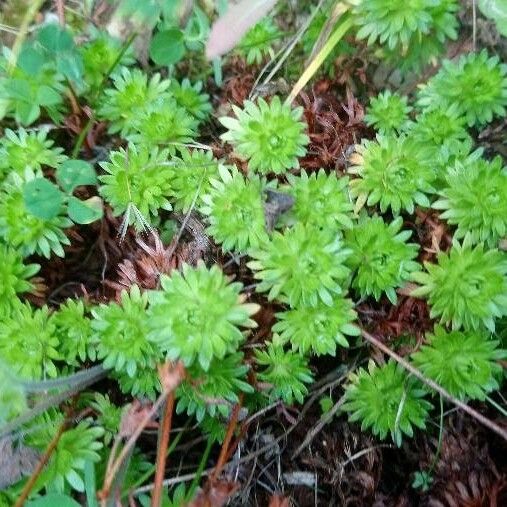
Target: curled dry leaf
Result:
[16, 461]
[279, 501]
[229, 29]
[215, 496]
[171, 374]
[133, 417]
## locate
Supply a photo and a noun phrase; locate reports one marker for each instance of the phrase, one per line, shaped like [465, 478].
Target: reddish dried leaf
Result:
[279, 501]
[215, 496]
[133, 417]
[171, 375]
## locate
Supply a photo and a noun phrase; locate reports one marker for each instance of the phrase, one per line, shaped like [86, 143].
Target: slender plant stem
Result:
[152, 469]
[163, 443]
[340, 31]
[108, 480]
[50, 402]
[43, 461]
[497, 406]
[200, 470]
[91, 119]
[222, 458]
[177, 376]
[430, 383]
[60, 9]
[440, 435]
[32, 10]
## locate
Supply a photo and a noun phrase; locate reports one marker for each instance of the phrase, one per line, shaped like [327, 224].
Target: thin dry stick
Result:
[111, 474]
[165, 433]
[414, 371]
[222, 458]
[361, 453]
[42, 463]
[258, 452]
[284, 52]
[316, 429]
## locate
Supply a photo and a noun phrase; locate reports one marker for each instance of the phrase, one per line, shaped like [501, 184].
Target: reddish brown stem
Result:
[165, 433]
[60, 11]
[41, 464]
[170, 376]
[224, 451]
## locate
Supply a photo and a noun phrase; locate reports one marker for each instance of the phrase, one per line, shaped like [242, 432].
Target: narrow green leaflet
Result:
[84, 212]
[53, 500]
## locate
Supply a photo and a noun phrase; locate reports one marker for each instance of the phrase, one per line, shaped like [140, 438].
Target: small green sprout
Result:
[388, 113]
[393, 172]
[465, 363]
[120, 332]
[413, 33]
[140, 178]
[25, 231]
[467, 287]
[132, 94]
[213, 392]
[381, 257]
[163, 124]
[270, 136]
[197, 315]
[257, 44]
[387, 401]
[476, 85]
[302, 266]
[28, 342]
[14, 277]
[22, 149]
[235, 210]
[321, 200]
[318, 329]
[475, 200]
[191, 180]
[76, 446]
[189, 97]
[285, 372]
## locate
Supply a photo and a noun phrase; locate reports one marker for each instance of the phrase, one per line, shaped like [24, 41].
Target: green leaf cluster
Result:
[381, 258]
[235, 209]
[467, 287]
[270, 136]
[416, 31]
[257, 43]
[387, 401]
[197, 315]
[476, 85]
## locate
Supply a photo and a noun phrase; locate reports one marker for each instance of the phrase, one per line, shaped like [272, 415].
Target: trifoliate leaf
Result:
[42, 198]
[167, 47]
[73, 173]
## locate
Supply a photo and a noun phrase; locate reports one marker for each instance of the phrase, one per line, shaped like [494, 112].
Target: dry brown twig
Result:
[433, 385]
[165, 432]
[171, 376]
[45, 458]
